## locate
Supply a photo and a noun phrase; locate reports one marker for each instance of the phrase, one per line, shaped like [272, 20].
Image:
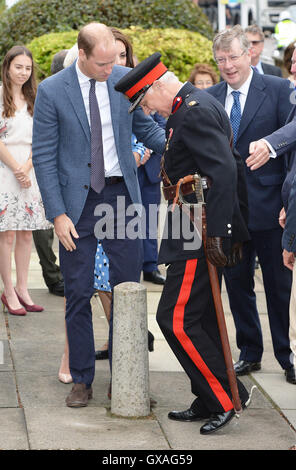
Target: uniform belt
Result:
[169, 192]
[113, 180]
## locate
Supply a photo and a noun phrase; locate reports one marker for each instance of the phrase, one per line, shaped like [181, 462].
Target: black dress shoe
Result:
[187, 415]
[290, 375]
[197, 415]
[217, 421]
[57, 288]
[154, 276]
[245, 367]
[100, 355]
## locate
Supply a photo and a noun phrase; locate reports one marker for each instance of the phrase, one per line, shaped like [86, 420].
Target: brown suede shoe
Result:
[79, 396]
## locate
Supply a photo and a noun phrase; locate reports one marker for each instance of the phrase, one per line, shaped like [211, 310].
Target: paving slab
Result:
[90, 429]
[255, 429]
[33, 414]
[39, 390]
[290, 415]
[279, 390]
[13, 429]
[3, 332]
[5, 356]
[8, 394]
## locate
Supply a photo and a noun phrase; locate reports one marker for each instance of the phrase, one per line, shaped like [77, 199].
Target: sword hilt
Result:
[198, 186]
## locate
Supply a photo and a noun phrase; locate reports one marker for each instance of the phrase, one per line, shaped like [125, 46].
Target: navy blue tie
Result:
[235, 115]
[97, 173]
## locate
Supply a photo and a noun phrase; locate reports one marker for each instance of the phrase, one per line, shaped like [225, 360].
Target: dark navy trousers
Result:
[125, 260]
[150, 193]
[277, 280]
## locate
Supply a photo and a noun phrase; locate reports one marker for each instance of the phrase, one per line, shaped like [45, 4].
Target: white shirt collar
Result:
[244, 89]
[259, 67]
[82, 78]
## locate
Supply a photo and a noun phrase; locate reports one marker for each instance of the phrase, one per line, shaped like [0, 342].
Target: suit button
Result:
[85, 186]
[89, 164]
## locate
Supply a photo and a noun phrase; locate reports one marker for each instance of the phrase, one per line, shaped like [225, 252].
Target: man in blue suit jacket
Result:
[257, 105]
[62, 159]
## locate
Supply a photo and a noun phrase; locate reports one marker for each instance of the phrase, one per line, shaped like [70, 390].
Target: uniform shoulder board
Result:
[191, 101]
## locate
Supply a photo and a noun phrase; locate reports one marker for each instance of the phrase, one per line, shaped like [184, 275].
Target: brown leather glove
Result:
[215, 251]
[236, 254]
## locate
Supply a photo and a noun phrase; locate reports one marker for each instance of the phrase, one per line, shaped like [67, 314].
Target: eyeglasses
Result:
[201, 83]
[232, 59]
[255, 43]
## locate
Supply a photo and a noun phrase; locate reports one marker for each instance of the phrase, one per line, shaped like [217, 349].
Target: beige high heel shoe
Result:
[64, 378]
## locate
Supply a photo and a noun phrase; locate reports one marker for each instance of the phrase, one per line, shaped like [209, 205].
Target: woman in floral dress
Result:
[21, 209]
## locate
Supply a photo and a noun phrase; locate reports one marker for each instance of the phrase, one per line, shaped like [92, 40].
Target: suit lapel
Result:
[114, 98]
[255, 98]
[73, 91]
[291, 115]
[290, 156]
[220, 93]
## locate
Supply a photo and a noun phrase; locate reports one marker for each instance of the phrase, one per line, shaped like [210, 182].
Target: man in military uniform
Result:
[198, 141]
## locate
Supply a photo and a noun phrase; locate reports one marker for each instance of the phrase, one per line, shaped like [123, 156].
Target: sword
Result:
[197, 182]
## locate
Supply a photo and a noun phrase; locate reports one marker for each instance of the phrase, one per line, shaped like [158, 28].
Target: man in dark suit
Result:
[283, 143]
[289, 253]
[255, 37]
[197, 126]
[257, 105]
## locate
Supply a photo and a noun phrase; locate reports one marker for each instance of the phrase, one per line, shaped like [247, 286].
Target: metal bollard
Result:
[130, 363]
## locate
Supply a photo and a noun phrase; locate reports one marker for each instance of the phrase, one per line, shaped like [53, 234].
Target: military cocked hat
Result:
[138, 80]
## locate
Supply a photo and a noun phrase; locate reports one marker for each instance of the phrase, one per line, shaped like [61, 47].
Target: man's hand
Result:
[259, 154]
[282, 218]
[215, 252]
[146, 157]
[288, 259]
[65, 230]
[137, 159]
[236, 254]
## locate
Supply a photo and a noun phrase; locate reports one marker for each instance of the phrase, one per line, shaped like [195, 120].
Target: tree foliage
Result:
[180, 49]
[28, 19]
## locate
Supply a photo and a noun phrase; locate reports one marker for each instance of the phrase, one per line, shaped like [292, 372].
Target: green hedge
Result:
[28, 19]
[180, 49]
[45, 47]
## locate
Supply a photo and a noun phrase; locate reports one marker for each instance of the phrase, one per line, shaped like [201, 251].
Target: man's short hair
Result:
[58, 61]
[255, 29]
[89, 37]
[168, 77]
[223, 40]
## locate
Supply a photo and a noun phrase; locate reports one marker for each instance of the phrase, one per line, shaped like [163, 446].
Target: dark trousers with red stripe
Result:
[187, 318]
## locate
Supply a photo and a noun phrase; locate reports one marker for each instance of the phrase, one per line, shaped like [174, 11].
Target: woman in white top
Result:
[21, 209]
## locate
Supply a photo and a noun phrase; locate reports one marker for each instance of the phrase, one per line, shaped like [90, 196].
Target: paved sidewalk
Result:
[33, 414]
